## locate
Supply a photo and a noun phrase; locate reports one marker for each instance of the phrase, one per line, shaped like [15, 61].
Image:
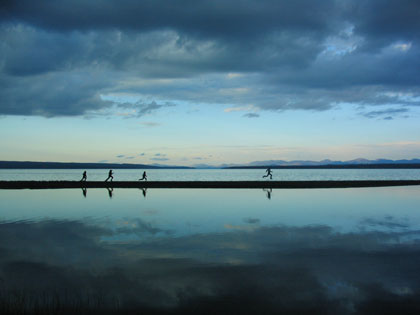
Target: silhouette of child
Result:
[110, 176]
[144, 176]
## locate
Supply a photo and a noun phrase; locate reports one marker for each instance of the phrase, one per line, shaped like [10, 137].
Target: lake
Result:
[212, 174]
[204, 251]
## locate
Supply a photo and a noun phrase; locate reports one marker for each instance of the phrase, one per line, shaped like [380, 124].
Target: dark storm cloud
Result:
[207, 18]
[60, 57]
[381, 22]
[52, 94]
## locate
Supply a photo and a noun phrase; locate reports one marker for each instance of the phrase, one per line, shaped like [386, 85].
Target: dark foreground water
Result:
[318, 251]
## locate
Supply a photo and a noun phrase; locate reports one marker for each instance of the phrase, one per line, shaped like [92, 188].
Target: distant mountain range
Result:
[330, 162]
[356, 163]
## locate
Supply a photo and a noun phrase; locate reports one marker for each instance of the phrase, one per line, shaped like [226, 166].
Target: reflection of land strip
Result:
[204, 184]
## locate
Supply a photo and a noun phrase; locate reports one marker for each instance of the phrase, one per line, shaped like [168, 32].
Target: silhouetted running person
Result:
[110, 176]
[268, 171]
[84, 177]
[144, 176]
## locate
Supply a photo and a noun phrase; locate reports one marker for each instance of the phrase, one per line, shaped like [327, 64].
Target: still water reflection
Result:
[329, 251]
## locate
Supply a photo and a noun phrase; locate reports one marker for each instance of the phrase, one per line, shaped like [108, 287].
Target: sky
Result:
[209, 82]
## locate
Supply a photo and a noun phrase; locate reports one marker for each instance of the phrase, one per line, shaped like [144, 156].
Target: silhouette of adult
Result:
[84, 177]
[110, 173]
[144, 176]
[269, 173]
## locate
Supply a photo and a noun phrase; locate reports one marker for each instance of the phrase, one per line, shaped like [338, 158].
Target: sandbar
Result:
[205, 184]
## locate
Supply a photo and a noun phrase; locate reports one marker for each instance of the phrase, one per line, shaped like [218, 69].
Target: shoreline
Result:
[206, 184]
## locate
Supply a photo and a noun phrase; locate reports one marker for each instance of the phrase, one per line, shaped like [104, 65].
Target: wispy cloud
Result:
[149, 124]
[140, 109]
[159, 159]
[386, 114]
[238, 109]
[251, 115]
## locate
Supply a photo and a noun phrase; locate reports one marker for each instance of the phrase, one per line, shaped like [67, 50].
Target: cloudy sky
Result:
[188, 82]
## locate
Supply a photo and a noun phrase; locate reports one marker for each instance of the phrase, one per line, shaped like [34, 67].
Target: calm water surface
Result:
[314, 251]
[213, 174]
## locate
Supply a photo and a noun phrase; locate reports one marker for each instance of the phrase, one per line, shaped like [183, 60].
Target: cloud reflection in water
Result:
[306, 269]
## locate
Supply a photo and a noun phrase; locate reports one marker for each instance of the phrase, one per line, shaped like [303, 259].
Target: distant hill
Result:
[64, 165]
[356, 163]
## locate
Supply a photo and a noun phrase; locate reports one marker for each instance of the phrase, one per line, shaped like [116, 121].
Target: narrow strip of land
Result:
[205, 184]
